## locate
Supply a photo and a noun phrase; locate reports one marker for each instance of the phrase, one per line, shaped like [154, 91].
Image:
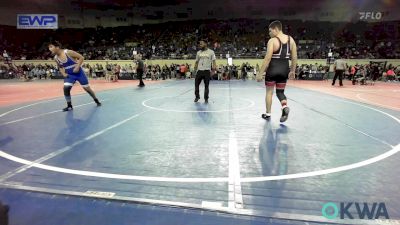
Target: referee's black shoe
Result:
[68, 108]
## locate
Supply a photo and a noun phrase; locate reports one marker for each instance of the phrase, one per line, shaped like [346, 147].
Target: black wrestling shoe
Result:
[206, 101]
[97, 102]
[285, 114]
[196, 99]
[265, 116]
[68, 108]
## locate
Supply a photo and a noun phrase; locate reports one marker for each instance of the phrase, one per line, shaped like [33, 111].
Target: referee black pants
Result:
[202, 75]
[338, 73]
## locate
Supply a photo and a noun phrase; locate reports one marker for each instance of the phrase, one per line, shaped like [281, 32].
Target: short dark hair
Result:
[55, 43]
[203, 40]
[276, 24]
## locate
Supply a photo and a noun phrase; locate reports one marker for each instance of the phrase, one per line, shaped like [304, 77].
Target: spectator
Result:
[390, 75]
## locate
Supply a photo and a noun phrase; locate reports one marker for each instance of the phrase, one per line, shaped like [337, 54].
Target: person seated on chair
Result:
[361, 76]
[390, 75]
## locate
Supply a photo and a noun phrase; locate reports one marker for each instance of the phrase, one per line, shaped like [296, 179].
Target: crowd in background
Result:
[240, 38]
[373, 71]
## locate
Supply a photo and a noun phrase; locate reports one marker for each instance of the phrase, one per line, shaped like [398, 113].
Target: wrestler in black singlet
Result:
[278, 69]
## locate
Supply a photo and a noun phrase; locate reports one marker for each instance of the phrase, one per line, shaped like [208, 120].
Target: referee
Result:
[340, 66]
[205, 62]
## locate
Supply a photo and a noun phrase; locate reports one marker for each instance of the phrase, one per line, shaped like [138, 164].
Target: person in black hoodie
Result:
[140, 69]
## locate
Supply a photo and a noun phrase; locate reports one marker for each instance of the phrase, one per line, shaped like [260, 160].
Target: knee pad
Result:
[280, 94]
[67, 92]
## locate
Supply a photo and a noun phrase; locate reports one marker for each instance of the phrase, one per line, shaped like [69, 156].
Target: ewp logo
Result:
[331, 211]
[37, 21]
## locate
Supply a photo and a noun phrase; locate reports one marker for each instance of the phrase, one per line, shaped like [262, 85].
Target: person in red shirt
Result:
[183, 71]
[390, 74]
[353, 73]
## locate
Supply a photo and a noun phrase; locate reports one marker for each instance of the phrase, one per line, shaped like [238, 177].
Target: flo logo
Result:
[347, 210]
[370, 15]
